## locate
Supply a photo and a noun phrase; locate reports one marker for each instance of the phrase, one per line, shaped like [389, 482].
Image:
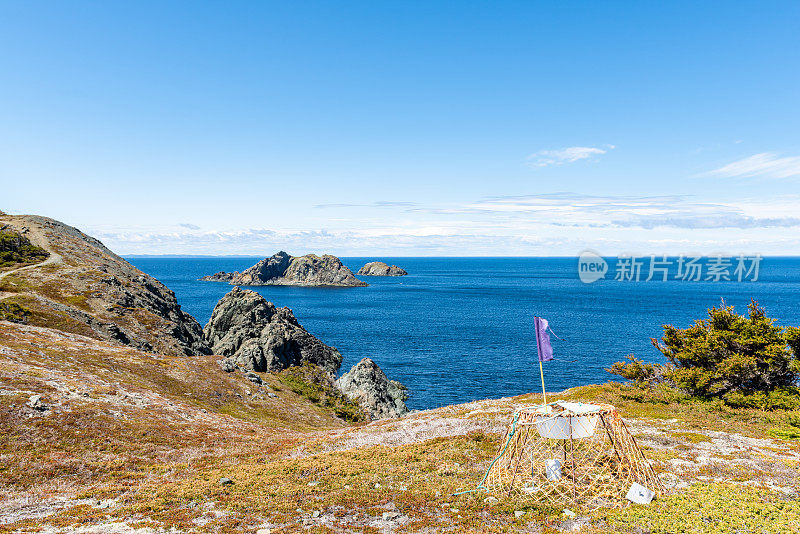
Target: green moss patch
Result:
[711, 509]
[317, 386]
[16, 313]
[789, 430]
[691, 437]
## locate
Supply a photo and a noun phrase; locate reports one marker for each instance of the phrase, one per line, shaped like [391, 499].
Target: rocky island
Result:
[379, 268]
[282, 269]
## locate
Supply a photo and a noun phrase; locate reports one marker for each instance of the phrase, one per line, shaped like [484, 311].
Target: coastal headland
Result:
[120, 413]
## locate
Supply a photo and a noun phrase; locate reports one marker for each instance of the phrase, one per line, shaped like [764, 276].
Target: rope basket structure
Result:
[568, 453]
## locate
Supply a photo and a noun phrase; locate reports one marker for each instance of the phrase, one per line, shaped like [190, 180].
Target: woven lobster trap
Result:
[570, 453]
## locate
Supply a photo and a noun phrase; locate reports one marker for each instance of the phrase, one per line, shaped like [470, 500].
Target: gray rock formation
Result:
[379, 268]
[285, 270]
[379, 396]
[253, 334]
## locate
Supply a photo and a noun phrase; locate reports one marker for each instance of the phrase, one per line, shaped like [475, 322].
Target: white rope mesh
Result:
[591, 458]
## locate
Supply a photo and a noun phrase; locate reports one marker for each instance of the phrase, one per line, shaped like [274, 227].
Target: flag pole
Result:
[539, 350]
[541, 372]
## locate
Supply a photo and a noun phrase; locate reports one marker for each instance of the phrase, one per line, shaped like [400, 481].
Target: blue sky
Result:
[413, 128]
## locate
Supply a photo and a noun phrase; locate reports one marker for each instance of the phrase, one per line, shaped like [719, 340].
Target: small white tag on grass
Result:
[639, 494]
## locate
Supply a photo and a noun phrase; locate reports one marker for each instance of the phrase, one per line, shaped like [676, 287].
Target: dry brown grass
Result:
[142, 439]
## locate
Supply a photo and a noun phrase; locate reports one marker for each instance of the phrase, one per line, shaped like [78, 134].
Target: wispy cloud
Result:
[546, 158]
[189, 226]
[578, 203]
[647, 212]
[547, 224]
[264, 242]
[709, 221]
[377, 204]
[764, 165]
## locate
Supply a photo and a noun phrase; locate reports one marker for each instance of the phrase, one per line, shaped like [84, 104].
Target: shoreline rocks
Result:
[282, 269]
[379, 268]
[367, 384]
[253, 334]
[221, 276]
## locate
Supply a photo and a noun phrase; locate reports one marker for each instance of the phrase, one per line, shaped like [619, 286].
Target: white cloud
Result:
[543, 224]
[647, 212]
[545, 158]
[765, 165]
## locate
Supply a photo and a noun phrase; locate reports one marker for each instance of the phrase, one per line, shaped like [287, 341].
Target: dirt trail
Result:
[36, 237]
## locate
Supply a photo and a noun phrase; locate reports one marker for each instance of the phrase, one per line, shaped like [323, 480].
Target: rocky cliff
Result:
[379, 396]
[252, 333]
[84, 288]
[282, 269]
[379, 268]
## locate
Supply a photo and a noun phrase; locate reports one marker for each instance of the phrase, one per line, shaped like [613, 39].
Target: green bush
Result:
[791, 430]
[786, 398]
[11, 311]
[640, 373]
[15, 249]
[738, 361]
[729, 354]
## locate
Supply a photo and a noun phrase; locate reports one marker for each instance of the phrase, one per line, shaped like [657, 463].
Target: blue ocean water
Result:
[461, 329]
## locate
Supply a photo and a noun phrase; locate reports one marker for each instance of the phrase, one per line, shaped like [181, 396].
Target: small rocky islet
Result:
[379, 268]
[282, 269]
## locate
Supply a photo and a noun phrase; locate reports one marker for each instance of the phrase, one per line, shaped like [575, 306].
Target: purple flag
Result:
[543, 339]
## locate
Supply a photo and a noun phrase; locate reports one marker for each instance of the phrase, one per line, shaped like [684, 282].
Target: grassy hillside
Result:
[107, 419]
[126, 437]
[84, 288]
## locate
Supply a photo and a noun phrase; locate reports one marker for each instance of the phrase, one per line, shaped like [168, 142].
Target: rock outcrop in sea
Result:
[379, 396]
[253, 334]
[282, 269]
[379, 268]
